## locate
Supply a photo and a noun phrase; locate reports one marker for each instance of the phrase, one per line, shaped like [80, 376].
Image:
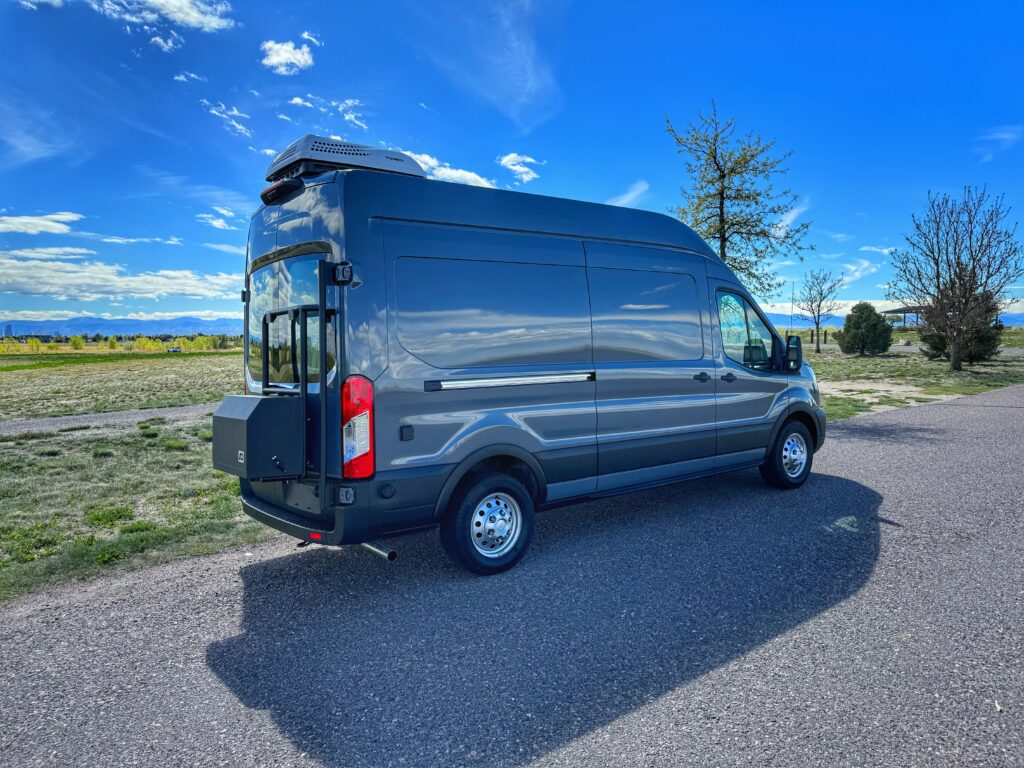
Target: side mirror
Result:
[794, 354]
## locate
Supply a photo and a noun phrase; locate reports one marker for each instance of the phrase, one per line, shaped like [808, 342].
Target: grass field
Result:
[87, 500]
[80, 502]
[61, 384]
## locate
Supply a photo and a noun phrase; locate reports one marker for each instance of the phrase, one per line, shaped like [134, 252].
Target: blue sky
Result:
[135, 133]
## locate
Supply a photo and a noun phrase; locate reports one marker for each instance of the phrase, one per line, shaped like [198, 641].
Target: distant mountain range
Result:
[189, 326]
[122, 326]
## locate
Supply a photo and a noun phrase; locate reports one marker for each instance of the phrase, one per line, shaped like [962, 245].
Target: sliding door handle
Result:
[702, 377]
[729, 378]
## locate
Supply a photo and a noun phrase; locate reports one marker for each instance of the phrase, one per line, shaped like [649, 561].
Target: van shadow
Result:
[618, 602]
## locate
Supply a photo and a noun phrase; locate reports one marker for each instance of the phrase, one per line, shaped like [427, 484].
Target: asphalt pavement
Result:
[874, 617]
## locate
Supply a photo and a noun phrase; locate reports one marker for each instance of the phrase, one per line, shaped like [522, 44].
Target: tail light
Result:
[357, 428]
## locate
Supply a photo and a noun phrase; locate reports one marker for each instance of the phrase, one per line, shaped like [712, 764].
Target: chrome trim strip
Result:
[508, 381]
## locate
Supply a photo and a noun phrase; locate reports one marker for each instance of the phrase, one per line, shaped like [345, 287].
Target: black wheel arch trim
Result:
[463, 468]
[791, 411]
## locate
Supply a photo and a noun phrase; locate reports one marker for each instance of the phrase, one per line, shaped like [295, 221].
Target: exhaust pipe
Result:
[380, 550]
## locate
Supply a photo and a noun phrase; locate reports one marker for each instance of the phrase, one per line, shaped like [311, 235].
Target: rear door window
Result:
[286, 283]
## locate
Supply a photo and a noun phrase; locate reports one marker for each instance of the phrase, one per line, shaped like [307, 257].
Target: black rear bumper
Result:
[390, 503]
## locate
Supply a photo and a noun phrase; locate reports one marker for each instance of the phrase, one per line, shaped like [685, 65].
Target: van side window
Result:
[456, 313]
[745, 338]
[644, 316]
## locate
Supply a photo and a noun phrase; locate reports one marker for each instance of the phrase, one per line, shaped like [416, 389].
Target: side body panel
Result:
[653, 362]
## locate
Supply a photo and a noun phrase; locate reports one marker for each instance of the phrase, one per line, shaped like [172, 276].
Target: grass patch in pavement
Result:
[62, 385]
[912, 376]
[77, 504]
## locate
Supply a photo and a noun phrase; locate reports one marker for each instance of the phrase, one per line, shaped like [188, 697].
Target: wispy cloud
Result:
[230, 117]
[185, 76]
[830, 256]
[839, 237]
[493, 53]
[49, 253]
[631, 196]
[876, 249]
[857, 269]
[67, 314]
[791, 216]
[165, 182]
[519, 165]
[285, 58]
[203, 15]
[347, 110]
[310, 37]
[436, 169]
[284, 117]
[171, 41]
[119, 240]
[52, 223]
[997, 140]
[30, 134]
[235, 249]
[266, 151]
[217, 222]
[298, 101]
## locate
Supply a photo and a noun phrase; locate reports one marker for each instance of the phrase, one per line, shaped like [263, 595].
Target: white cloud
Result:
[631, 196]
[214, 221]
[33, 5]
[31, 134]
[184, 76]
[284, 117]
[347, 110]
[51, 223]
[254, 92]
[876, 249]
[791, 216]
[227, 212]
[298, 101]
[230, 117]
[312, 38]
[268, 152]
[857, 269]
[839, 237]
[93, 280]
[236, 249]
[997, 140]
[285, 58]
[520, 166]
[67, 314]
[845, 305]
[118, 240]
[830, 256]
[49, 253]
[204, 15]
[172, 41]
[441, 171]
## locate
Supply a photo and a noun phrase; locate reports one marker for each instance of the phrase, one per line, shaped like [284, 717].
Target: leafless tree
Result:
[817, 297]
[960, 254]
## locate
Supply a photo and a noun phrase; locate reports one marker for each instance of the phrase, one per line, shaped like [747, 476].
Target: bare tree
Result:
[732, 201]
[818, 298]
[960, 255]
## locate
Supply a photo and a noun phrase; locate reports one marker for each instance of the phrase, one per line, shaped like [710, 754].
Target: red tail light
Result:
[357, 428]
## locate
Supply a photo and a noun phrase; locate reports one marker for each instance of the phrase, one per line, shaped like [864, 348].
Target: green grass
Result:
[58, 385]
[67, 514]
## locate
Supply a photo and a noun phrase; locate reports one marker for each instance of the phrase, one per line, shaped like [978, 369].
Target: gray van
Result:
[420, 353]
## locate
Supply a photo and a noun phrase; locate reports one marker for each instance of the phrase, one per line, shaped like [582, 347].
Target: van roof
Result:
[429, 200]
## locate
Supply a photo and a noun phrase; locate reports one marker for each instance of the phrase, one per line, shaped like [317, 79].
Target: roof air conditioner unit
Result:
[314, 154]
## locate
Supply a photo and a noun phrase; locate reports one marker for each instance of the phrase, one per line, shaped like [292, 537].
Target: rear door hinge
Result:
[245, 297]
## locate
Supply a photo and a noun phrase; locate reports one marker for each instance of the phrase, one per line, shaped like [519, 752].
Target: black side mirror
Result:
[794, 354]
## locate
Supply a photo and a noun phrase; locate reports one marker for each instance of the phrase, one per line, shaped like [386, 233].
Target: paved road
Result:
[876, 617]
[54, 423]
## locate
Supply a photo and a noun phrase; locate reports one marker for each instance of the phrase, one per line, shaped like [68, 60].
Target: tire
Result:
[481, 511]
[793, 448]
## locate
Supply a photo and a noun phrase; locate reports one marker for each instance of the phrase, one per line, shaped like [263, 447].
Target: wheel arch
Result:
[795, 413]
[501, 457]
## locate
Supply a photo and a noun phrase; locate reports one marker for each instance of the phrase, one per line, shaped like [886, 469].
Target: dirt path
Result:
[56, 423]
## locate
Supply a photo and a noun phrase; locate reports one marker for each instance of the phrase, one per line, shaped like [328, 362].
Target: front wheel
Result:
[489, 524]
[788, 463]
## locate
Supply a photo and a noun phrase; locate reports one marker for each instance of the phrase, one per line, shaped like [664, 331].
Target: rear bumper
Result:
[390, 503]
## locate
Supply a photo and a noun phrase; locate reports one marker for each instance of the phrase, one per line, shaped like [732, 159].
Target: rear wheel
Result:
[489, 523]
[788, 464]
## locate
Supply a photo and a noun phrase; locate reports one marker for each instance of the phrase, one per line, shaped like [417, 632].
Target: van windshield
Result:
[286, 283]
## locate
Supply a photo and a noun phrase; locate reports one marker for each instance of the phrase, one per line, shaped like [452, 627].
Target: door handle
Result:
[729, 378]
[702, 377]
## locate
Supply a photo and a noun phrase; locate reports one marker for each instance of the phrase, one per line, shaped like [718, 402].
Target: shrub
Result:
[76, 342]
[980, 343]
[865, 332]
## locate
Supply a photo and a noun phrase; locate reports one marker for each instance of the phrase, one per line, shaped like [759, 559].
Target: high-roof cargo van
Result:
[421, 353]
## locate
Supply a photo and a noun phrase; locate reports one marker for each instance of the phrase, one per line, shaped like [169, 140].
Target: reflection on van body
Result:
[490, 353]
